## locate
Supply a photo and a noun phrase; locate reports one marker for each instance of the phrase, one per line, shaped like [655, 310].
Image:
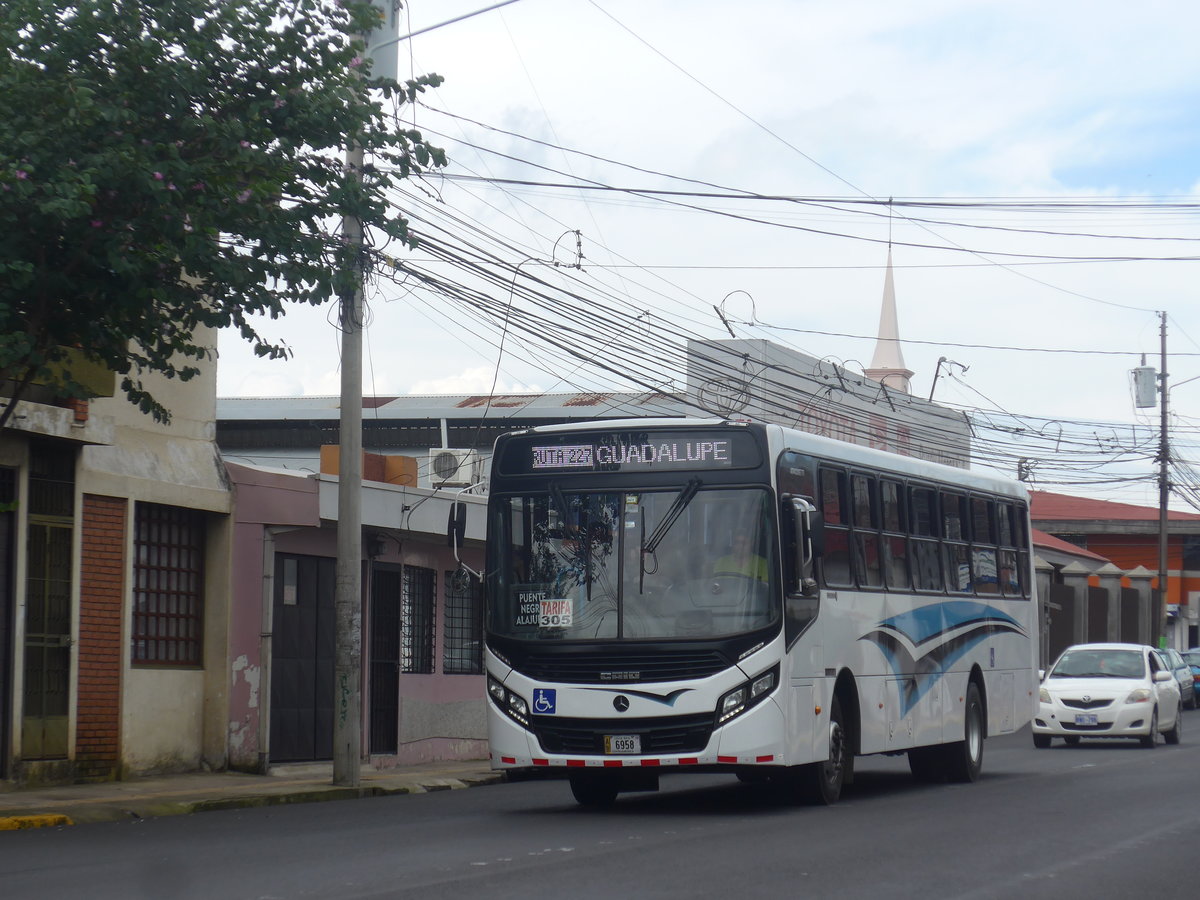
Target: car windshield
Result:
[1100, 663]
[667, 564]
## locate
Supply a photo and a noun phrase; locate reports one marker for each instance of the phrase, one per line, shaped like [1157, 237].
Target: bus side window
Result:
[926, 562]
[1008, 570]
[895, 540]
[984, 571]
[954, 542]
[865, 503]
[835, 560]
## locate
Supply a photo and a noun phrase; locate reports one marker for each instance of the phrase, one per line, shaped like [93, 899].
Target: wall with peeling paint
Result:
[441, 716]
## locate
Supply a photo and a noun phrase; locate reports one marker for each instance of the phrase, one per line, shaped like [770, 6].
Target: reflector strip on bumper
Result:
[634, 762]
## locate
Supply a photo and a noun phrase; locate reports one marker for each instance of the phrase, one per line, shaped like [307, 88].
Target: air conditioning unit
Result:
[453, 468]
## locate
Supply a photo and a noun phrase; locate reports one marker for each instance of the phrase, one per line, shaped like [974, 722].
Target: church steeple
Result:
[887, 365]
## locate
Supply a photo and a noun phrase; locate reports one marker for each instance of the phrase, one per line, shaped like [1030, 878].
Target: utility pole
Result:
[1164, 488]
[347, 600]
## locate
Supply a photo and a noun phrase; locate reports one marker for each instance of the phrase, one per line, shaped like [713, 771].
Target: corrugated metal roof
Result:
[458, 406]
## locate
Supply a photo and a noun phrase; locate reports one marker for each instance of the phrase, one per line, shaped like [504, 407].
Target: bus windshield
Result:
[670, 564]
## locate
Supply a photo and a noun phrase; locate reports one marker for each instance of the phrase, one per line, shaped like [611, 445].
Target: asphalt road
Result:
[1102, 820]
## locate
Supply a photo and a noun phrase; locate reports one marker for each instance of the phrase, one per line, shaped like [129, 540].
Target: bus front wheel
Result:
[823, 780]
[595, 791]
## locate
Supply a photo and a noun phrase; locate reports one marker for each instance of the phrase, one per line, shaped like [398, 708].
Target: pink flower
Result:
[158, 176]
[97, 223]
[356, 62]
[244, 195]
[245, 144]
[22, 174]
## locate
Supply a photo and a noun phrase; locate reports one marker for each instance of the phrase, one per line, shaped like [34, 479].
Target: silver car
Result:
[1183, 674]
[1109, 691]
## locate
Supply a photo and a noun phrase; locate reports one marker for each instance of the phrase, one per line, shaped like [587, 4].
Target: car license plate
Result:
[622, 743]
[1086, 719]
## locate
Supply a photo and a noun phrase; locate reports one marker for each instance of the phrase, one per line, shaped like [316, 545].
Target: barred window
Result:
[462, 645]
[416, 620]
[168, 593]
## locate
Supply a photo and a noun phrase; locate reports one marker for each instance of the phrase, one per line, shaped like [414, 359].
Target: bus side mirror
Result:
[456, 524]
[809, 543]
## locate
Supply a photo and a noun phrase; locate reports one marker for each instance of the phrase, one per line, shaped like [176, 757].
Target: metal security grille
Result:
[462, 644]
[168, 599]
[416, 620]
[50, 532]
[51, 480]
[47, 692]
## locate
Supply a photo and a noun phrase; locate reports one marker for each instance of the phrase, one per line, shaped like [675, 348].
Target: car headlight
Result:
[1044, 695]
[512, 704]
[1141, 695]
[746, 695]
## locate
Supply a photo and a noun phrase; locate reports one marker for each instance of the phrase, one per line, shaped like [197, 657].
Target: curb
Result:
[134, 808]
[40, 820]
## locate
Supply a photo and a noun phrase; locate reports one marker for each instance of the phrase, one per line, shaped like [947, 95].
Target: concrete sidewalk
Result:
[173, 795]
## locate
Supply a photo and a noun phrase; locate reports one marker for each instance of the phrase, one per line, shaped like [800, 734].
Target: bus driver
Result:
[742, 560]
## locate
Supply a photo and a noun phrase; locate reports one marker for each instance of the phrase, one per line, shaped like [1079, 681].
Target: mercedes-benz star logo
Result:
[620, 703]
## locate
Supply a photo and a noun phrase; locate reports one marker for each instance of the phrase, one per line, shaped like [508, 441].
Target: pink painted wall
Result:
[441, 716]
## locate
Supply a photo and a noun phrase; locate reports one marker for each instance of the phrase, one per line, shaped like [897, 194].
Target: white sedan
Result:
[1109, 691]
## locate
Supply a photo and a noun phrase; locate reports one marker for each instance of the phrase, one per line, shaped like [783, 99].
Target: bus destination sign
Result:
[644, 451]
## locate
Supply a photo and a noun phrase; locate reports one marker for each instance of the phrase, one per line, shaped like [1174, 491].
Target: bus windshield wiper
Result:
[677, 508]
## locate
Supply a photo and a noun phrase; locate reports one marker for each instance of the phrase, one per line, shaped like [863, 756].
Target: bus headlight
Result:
[746, 695]
[513, 705]
[732, 704]
[763, 684]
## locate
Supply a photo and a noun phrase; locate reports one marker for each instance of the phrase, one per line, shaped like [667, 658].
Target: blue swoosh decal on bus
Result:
[922, 644]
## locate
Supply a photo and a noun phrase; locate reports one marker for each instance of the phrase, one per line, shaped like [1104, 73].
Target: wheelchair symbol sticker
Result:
[544, 701]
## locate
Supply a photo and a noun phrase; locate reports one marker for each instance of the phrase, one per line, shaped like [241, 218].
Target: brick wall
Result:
[101, 593]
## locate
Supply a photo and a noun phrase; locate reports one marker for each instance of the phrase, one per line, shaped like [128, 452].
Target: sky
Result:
[1042, 159]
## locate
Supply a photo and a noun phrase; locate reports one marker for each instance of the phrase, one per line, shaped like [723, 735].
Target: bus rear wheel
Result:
[961, 760]
[964, 759]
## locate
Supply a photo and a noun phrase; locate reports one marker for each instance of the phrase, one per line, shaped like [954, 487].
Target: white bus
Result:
[670, 595]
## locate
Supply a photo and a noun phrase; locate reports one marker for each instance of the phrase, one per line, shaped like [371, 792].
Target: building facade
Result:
[112, 647]
[1128, 536]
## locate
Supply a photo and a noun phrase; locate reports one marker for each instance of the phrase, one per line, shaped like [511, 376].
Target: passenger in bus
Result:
[742, 559]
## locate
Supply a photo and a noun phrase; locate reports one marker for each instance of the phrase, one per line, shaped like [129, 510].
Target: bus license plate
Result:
[622, 743]
[1086, 719]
